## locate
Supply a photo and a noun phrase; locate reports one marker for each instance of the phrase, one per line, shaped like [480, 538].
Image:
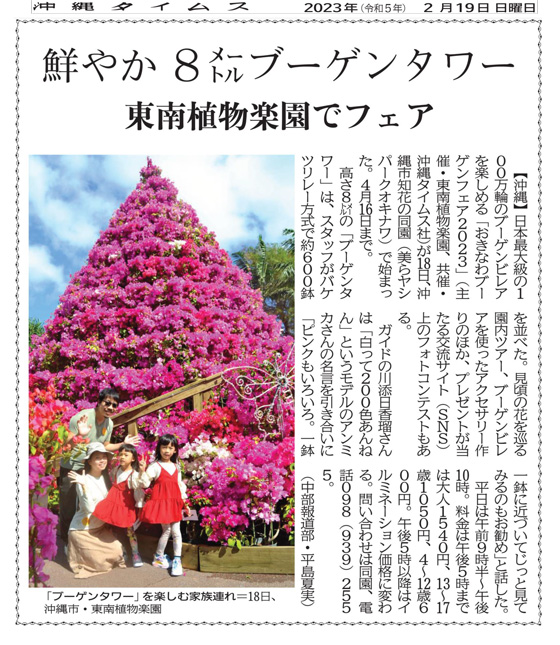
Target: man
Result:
[96, 425]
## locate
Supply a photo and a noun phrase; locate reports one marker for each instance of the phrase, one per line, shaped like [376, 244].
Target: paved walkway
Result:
[148, 576]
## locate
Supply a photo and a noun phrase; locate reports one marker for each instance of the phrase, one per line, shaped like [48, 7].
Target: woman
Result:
[92, 547]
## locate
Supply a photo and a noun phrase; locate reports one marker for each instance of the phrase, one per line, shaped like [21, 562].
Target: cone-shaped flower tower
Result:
[158, 304]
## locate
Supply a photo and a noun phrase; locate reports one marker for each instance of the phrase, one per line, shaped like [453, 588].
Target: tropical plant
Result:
[47, 443]
[157, 305]
[35, 329]
[272, 272]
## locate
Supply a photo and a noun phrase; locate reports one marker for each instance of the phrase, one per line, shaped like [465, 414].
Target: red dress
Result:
[118, 508]
[165, 506]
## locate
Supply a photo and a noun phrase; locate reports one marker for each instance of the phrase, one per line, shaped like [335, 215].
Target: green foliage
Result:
[234, 542]
[54, 499]
[35, 329]
[290, 242]
[272, 272]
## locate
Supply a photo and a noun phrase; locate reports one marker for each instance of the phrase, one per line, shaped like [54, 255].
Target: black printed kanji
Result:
[58, 67]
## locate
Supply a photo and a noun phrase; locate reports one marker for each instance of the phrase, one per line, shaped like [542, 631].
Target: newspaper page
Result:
[279, 322]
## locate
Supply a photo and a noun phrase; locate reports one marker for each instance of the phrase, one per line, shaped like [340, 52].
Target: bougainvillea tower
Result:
[157, 305]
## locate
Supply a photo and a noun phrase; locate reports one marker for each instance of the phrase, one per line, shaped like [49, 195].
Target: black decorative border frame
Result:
[18, 348]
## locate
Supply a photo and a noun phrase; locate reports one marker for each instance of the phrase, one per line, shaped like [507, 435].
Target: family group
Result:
[102, 487]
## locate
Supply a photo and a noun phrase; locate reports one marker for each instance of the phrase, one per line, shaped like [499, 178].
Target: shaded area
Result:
[151, 577]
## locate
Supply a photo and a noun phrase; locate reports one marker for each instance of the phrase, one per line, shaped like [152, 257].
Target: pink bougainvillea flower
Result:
[157, 305]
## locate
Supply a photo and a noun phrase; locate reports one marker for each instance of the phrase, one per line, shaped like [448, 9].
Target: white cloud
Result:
[42, 270]
[225, 191]
[67, 193]
[68, 209]
[122, 169]
[73, 197]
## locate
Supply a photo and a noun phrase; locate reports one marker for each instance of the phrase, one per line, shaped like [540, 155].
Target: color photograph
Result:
[161, 371]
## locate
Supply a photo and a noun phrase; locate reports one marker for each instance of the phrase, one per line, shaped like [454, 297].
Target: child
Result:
[165, 506]
[119, 507]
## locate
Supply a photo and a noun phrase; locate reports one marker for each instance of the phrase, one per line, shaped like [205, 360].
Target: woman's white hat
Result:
[96, 446]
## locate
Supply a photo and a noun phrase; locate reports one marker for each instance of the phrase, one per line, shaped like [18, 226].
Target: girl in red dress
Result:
[119, 507]
[166, 503]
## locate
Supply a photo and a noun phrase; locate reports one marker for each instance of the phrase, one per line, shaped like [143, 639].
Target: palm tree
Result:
[272, 272]
[290, 243]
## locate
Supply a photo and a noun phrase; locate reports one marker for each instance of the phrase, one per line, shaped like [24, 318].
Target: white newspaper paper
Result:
[422, 139]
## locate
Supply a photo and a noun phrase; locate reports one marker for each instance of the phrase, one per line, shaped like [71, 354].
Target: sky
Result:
[72, 199]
